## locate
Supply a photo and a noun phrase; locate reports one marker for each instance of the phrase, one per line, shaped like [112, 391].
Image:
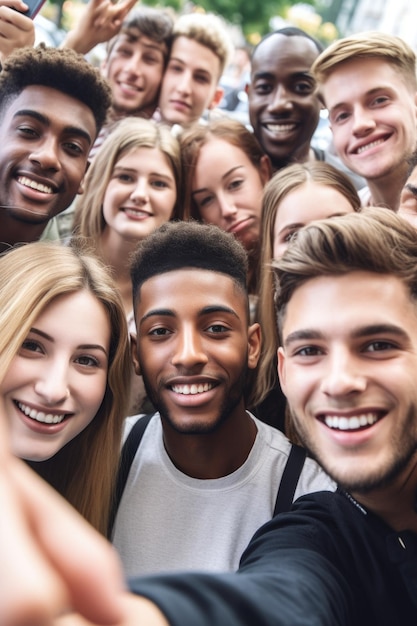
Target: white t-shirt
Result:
[169, 521]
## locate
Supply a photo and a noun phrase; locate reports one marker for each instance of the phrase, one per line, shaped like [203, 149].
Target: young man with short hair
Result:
[199, 53]
[368, 83]
[52, 105]
[206, 473]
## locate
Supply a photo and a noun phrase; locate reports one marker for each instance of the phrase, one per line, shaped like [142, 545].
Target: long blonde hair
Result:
[31, 277]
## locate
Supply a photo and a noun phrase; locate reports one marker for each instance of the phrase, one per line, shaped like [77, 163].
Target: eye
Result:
[160, 184]
[27, 132]
[217, 329]
[380, 100]
[236, 184]
[304, 88]
[262, 89]
[308, 351]
[159, 332]
[380, 346]
[290, 236]
[202, 202]
[341, 117]
[32, 346]
[87, 360]
[73, 148]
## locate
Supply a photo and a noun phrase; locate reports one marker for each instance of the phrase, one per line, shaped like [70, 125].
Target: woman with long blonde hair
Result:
[64, 371]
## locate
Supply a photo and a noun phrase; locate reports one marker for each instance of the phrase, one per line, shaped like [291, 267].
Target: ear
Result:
[281, 368]
[134, 353]
[254, 345]
[217, 98]
[81, 185]
[247, 88]
[265, 169]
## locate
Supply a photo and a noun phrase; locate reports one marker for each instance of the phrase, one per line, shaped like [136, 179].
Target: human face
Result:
[372, 114]
[45, 138]
[134, 71]
[347, 367]
[227, 190]
[283, 108]
[194, 347]
[189, 85]
[56, 383]
[304, 204]
[408, 200]
[141, 194]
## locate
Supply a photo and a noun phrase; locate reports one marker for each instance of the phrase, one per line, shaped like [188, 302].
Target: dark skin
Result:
[193, 349]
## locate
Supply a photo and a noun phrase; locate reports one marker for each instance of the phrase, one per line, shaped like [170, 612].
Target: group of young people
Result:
[240, 331]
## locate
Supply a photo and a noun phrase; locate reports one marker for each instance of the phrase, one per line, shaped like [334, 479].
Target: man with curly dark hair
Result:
[52, 105]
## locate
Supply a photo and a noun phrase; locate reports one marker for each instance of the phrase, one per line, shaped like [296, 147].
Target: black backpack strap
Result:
[127, 455]
[289, 479]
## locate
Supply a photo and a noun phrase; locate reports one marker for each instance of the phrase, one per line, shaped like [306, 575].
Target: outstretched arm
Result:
[100, 21]
[51, 560]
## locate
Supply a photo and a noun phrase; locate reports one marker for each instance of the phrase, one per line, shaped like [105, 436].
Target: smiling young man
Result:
[347, 316]
[206, 473]
[368, 84]
[52, 104]
[200, 51]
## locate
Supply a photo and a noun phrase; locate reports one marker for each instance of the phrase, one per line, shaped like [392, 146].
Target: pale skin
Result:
[100, 21]
[41, 573]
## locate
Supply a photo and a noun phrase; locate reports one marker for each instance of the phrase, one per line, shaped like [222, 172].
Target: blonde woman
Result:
[64, 371]
[131, 188]
[294, 197]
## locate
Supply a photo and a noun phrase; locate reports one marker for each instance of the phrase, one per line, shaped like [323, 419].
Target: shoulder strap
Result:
[127, 455]
[289, 479]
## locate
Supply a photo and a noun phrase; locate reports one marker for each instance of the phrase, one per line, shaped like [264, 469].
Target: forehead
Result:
[135, 38]
[335, 306]
[357, 78]
[281, 54]
[187, 291]
[58, 108]
[195, 56]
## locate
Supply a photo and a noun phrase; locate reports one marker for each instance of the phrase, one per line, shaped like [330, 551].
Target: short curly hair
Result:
[60, 69]
[184, 245]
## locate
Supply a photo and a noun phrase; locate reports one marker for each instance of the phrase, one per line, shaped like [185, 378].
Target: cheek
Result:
[91, 394]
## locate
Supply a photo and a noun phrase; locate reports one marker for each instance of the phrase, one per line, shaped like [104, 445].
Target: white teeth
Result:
[350, 423]
[280, 128]
[28, 182]
[192, 389]
[39, 416]
[369, 146]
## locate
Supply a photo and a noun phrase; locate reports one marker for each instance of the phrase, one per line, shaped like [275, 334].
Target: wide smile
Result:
[193, 389]
[41, 416]
[366, 147]
[357, 422]
[33, 184]
[129, 87]
[136, 214]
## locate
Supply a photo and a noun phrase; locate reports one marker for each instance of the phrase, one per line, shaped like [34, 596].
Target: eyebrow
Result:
[207, 310]
[134, 171]
[71, 130]
[271, 75]
[363, 331]
[232, 169]
[87, 346]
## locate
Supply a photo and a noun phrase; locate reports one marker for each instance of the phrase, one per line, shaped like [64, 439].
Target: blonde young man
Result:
[199, 54]
[368, 83]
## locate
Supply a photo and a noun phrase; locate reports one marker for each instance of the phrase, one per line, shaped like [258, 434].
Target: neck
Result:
[15, 232]
[215, 454]
[116, 252]
[395, 503]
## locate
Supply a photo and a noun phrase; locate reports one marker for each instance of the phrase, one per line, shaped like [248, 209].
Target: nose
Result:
[189, 350]
[46, 154]
[139, 193]
[343, 375]
[52, 385]
[280, 100]
[363, 121]
[227, 207]
[183, 84]
[132, 65]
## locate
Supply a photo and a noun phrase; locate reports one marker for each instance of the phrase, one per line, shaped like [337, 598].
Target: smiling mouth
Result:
[281, 128]
[361, 421]
[28, 182]
[40, 416]
[136, 213]
[370, 145]
[193, 389]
